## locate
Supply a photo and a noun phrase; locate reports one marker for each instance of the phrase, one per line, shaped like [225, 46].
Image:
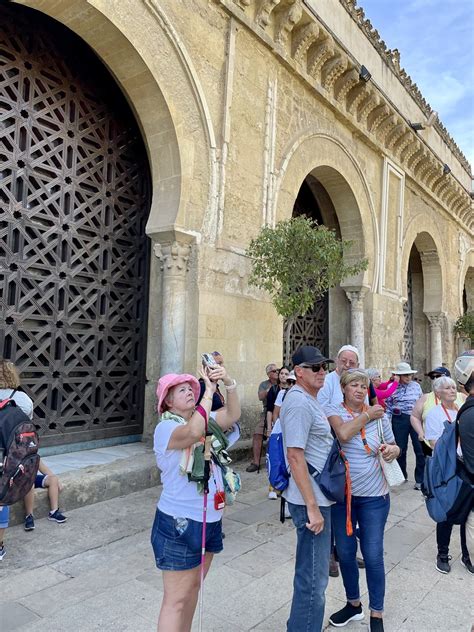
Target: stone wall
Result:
[239, 102]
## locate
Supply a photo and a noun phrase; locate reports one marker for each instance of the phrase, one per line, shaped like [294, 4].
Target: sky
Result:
[436, 43]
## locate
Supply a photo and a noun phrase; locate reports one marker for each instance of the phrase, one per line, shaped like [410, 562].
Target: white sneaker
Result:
[272, 495]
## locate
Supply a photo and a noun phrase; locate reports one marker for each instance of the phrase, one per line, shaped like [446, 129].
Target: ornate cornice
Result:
[294, 34]
[392, 59]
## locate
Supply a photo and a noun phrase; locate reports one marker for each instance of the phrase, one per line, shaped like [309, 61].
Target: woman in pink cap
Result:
[178, 445]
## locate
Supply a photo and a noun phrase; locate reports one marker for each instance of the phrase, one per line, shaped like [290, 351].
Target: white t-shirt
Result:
[180, 497]
[279, 398]
[22, 400]
[331, 393]
[434, 423]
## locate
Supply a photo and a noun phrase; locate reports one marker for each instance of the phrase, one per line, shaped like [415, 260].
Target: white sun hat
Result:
[403, 368]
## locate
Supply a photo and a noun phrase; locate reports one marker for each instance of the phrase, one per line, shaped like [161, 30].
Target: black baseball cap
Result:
[439, 370]
[309, 355]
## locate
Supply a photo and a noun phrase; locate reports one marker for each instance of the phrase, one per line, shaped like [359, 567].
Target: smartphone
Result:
[209, 361]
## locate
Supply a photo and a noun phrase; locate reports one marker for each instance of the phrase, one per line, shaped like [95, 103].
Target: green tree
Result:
[296, 263]
[464, 326]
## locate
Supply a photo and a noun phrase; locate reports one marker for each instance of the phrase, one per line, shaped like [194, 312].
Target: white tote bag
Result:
[392, 472]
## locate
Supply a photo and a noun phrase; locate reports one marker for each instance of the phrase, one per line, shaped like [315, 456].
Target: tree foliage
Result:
[297, 262]
[464, 326]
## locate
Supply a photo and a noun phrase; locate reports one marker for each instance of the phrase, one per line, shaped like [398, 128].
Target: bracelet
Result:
[231, 387]
[201, 411]
[368, 416]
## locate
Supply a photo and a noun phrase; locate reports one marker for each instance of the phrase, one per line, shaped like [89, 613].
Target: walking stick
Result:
[207, 471]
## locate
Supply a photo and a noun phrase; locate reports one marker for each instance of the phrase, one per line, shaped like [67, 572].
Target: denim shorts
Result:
[4, 516]
[39, 480]
[176, 541]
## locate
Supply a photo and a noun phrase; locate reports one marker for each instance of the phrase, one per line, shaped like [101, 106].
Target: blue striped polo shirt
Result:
[366, 473]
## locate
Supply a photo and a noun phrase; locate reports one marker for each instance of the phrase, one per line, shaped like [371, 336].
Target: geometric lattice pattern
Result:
[74, 197]
[311, 329]
[408, 321]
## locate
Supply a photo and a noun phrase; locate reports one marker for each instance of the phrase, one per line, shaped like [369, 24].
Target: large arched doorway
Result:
[76, 195]
[316, 327]
[423, 316]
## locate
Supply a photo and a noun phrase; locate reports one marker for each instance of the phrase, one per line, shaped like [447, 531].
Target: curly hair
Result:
[9, 376]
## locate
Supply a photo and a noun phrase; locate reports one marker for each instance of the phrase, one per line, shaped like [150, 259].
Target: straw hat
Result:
[403, 368]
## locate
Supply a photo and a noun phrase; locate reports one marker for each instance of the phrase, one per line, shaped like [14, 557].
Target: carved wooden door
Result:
[74, 197]
[408, 321]
[311, 329]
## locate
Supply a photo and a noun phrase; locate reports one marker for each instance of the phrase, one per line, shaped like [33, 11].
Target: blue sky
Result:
[436, 43]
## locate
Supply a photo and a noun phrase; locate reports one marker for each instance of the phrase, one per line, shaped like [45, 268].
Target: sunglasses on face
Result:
[315, 368]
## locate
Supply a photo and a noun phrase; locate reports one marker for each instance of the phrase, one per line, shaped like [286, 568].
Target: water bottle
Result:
[180, 524]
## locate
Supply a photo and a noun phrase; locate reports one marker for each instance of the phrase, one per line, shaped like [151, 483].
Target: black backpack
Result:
[19, 458]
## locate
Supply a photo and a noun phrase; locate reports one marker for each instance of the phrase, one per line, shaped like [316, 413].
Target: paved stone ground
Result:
[97, 571]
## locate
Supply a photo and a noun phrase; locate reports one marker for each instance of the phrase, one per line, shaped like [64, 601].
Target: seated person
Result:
[48, 479]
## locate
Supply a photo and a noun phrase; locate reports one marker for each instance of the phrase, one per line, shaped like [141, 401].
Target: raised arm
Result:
[345, 430]
[230, 413]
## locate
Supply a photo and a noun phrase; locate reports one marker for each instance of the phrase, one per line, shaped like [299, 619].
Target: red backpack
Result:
[19, 458]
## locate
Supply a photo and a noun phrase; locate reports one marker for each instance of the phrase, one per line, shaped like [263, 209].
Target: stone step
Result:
[119, 474]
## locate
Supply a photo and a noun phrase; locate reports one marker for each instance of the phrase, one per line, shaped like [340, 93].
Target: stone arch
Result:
[326, 158]
[422, 260]
[466, 284]
[424, 235]
[157, 79]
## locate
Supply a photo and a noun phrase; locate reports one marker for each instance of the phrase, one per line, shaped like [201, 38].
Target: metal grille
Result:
[408, 322]
[311, 329]
[74, 195]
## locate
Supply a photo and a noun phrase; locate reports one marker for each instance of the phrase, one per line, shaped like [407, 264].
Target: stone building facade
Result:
[251, 111]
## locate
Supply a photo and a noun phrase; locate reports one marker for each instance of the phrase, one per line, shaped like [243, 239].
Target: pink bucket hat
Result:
[173, 379]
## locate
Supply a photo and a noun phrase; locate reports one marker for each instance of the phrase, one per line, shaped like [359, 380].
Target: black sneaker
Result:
[29, 522]
[360, 562]
[57, 516]
[466, 562]
[376, 624]
[348, 613]
[253, 467]
[3, 552]
[442, 564]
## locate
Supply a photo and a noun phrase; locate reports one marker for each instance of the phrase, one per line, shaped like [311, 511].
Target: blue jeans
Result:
[370, 514]
[311, 572]
[402, 429]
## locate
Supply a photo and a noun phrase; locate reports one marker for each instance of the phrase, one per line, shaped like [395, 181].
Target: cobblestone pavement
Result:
[96, 572]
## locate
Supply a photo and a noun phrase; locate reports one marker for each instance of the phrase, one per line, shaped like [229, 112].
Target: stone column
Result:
[436, 347]
[174, 258]
[356, 298]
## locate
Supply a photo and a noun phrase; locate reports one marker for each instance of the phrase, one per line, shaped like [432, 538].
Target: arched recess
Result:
[466, 284]
[327, 159]
[156, 79]
[422, 283]
[341, 195]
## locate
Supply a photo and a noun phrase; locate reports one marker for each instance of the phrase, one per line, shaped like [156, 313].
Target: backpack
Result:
[277, 468]
[19, 458]
[448, 492]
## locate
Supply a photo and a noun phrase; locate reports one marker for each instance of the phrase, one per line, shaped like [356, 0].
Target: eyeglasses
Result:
[273, 371]
[315, 368]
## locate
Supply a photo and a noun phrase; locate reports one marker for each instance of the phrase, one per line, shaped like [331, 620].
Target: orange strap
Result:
[348, 494]
[362, 430]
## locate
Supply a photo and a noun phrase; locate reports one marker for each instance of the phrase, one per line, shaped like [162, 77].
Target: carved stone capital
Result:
[356, 297]
[174, 257]
[264, 11]
[435, 319]
[287, 22]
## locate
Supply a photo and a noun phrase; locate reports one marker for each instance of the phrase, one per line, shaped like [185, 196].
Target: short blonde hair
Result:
[353, 375]
[9, 376]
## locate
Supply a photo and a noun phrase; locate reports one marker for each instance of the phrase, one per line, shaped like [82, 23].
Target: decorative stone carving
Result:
[319, 54]
[264, 11]
[331, 70]
[395, 134]
[287, 22]
[392, 59]
[385, 127]
[357, 95]
[356, 298]
[403, 141]
[377, 115]
[345, 83]
[303, 37]
[174, 257]
[367, 106]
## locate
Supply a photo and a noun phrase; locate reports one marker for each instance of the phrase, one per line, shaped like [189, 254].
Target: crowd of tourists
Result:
[371, 422]
[347, 416]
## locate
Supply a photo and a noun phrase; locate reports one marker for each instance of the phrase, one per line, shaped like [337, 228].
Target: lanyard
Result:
[362, 430]
[447, 414]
